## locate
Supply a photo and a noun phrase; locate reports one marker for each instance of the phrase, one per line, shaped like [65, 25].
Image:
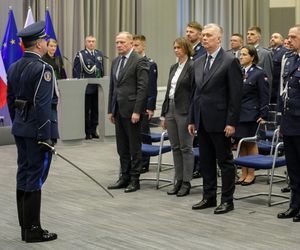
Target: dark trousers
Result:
[145, 129]
[128, 136]
[292, 155]
[91, 113]
[33, 164]
[216, 148]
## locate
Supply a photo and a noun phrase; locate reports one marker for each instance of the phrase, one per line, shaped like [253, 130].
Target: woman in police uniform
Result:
[254, 108]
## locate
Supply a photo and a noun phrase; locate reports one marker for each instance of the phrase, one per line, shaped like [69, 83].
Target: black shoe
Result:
[290, 213]
[175, 188]
[197, 174]
[144, 170]
[88, 137]
[286, 189]
[297, 217]
[95, 136]
[224, 208]
[119, 184]
[37, 234]
[245, 183]
[205, 203]
[132, 187]
[184, 190]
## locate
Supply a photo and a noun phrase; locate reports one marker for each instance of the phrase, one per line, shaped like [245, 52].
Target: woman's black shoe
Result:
[184, 190]
[175, 189]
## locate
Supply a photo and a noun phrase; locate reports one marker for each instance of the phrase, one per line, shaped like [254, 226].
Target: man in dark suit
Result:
[88, 63]
[194, 34]
[128, 92]
[214, 112]
[139, 45]
[32, 98]
[264, 55]
[290, 122]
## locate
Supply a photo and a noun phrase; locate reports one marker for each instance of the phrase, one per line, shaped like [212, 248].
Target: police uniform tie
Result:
[207, 65]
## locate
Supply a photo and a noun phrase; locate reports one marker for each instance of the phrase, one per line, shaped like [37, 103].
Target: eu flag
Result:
[11, 44]
[50, 32]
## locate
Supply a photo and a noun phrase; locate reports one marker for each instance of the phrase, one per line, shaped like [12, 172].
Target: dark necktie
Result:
[207, 65]
[121, 65]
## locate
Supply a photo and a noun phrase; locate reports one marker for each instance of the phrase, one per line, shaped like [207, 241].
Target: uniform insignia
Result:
[298, 68]
[266, 78]
[85, 52]
[47, 76]
[99, 58]
[287, 63]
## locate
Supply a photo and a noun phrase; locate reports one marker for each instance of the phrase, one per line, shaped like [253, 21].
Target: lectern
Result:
[71, 109]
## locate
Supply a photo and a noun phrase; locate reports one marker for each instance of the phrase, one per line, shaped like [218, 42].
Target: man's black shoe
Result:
[119, 184]
[286, 189]
[144, 170]
[205, 203]
[37, 234]
[197, 174]
[290, 213]
[95, 136]
[224, 208]
[132, 187]
[297, 217]
[88, 137]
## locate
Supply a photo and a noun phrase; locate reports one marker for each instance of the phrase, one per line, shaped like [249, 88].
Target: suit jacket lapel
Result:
[216, 64]
[184, 70]
[124, 70]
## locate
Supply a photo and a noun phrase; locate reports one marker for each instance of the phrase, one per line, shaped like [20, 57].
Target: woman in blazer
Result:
[174, 116]
[254, 108]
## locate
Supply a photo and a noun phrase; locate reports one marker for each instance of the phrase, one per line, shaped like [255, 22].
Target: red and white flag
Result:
[3, 83]
[29, 18]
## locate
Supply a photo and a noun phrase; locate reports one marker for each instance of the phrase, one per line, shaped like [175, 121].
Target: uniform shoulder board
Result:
[267, 49]
[150, 60]
[259, 67]
[289, 54]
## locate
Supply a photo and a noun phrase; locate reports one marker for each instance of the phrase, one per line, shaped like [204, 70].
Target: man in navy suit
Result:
[194, 34]
[88, 63]
[139, 45]
[128, 93]
[32, 100]
[214, 113]
[290, 122]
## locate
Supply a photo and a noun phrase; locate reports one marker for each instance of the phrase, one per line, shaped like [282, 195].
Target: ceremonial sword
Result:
[53, 150]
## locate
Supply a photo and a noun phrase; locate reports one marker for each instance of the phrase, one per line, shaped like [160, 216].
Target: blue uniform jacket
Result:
[277, 58]
[255, 98]
[199, 50]
[32, 80]
[152, 88]
[84, 68]
[290, 122]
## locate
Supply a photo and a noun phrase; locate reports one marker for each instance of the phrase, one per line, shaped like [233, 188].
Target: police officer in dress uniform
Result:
[279, 50]
[88, 63]
[32, 99]
[290, 122]
[139, 45]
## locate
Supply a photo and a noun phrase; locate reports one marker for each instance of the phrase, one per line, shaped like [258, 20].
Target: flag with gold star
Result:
[11, 44]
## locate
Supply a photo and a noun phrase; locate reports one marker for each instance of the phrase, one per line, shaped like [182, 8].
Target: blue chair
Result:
[267, 162]
[148, 149]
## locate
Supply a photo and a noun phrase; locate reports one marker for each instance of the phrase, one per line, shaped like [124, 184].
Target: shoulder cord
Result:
[89, 71]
